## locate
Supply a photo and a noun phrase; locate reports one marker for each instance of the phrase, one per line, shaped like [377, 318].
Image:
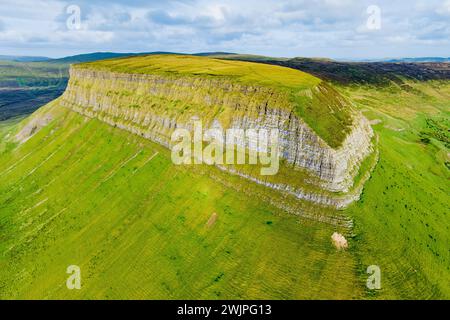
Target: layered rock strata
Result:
[153, 106]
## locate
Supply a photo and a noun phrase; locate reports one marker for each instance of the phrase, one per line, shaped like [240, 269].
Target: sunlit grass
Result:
[81, 192]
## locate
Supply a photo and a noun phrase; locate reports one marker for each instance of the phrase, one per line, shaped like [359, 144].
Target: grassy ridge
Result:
[181, 65]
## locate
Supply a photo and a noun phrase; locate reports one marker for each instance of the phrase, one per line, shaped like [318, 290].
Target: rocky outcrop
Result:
[153, 106]
[32, 127]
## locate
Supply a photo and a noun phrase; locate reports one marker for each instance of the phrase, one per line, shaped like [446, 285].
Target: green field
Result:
[80, 192]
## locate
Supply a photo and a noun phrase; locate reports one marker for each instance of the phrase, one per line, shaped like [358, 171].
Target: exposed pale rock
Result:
[375, 122]
[339, 241]
[212, 220]
[33, 126]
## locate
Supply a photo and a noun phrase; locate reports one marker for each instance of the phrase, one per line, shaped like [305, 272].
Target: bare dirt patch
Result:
[212, 220]
[375, 121]
[394, 128]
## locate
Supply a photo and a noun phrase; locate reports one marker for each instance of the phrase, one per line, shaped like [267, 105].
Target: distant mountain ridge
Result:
[421, 59]
[401, 60]
[38, 80]
[23, 58]
[379, 73]
[88, 57]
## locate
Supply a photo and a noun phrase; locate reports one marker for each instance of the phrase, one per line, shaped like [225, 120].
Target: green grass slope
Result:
[402, 221]
[80, 192]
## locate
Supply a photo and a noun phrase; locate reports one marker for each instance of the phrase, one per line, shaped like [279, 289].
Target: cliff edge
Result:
[323, 140]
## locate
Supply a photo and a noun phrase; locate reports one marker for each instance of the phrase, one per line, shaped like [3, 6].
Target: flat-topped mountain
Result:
[303, 93]
[88, 180]
[323, 139]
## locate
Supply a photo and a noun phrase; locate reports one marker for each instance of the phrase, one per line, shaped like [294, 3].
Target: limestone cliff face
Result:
[153, 106]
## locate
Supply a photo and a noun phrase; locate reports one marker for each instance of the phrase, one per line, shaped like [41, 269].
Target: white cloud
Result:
[444, 9]
[333, 28]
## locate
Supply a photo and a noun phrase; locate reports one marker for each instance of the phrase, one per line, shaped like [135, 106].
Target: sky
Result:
[338, 29]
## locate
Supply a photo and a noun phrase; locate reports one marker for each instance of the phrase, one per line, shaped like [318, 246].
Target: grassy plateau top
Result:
[183, 65]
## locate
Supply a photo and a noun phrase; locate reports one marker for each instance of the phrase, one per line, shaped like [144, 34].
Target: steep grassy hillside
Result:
[81, 192]
[402, 220]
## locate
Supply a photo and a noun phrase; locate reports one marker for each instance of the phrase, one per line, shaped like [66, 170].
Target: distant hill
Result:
[207, 54]
[23, 58]
[378, 73]
[422, 59]
[401, 60]
[89, 57]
